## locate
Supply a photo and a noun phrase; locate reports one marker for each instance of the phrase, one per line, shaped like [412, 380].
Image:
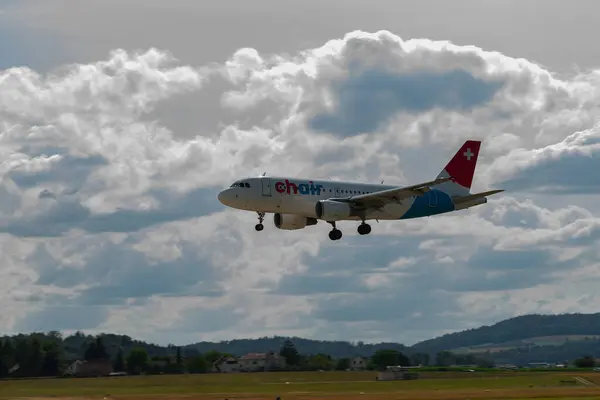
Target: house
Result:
[72, 368]
[90, 368]
[358, 363]
[226, 364]
[538, 365]
[261, 362]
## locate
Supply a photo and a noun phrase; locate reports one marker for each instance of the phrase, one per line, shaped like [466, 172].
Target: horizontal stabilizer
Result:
[474, 196]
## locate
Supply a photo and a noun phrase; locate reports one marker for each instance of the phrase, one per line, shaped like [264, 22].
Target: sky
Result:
[121, 120]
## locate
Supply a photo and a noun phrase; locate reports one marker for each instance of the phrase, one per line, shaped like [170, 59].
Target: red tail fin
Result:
[462, 166]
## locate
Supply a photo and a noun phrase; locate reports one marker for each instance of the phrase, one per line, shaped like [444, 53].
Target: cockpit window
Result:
[240, 184]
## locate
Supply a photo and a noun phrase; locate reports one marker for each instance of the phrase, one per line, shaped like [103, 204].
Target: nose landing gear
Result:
[261, 217]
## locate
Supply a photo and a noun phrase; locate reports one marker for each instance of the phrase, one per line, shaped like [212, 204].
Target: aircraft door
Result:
[336, 192]
[433, 200]
[266, 186]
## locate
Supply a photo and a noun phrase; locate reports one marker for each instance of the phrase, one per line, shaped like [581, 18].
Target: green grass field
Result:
[311, 385]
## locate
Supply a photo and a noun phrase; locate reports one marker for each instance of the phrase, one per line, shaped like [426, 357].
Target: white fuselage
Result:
[299, 196]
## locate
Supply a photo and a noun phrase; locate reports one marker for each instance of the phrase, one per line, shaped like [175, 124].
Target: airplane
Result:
[297, 203]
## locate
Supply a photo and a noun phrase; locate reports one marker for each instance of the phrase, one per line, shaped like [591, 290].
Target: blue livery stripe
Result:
[431, 203]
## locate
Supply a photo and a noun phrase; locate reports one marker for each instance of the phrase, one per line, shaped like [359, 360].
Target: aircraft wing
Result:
[383, 197]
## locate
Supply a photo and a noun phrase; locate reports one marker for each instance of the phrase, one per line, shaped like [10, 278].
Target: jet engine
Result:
[330, 210]
[291, 222]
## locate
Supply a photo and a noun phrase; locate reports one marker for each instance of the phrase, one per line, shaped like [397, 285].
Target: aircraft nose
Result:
[221, 196]
[225, 197]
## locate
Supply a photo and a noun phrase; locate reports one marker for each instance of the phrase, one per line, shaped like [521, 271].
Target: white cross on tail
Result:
[468, 154]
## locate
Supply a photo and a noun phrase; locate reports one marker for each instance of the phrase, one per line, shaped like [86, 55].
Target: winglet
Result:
[461, 167]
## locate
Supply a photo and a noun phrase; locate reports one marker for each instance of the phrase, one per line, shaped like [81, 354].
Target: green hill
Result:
[523, 331]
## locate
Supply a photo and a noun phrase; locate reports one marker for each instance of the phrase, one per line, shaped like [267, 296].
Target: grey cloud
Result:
[370, 98]
[363, 254]
[571, 173]
[566, 167]
[342, 270]
[486, 257]
[115, 273]
[66, 214]
[25, 47]
[425, 291]
[401, 303]
[63, 318]
[71, 170]
[208, 320]
[274, 26]
[294, 285]
[333, 155]
[195, 113]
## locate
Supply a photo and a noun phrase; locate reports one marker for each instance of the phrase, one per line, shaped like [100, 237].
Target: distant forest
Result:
[46, 353]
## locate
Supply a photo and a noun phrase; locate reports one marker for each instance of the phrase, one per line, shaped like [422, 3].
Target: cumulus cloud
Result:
[109, 199]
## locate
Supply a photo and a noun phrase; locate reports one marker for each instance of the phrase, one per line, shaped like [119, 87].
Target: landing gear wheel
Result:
[261, 217]
[335, 234]
[364, 229]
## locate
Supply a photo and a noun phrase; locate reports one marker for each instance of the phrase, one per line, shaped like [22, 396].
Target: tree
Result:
[91, 352]
[320, 362]
[585, 362]
[101, 352]
[289, 352]
[178, 356]
[212, 356]
[197, 365]
[96, 350]
[419, 359]
[342, 364]
[35, 361]
[6, 354]
[444, 359]
[53, 356]
[119, 365]
[384, 358]
[137, 360]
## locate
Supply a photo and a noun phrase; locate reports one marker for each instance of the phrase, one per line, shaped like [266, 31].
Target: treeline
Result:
[39, 355]
[31, 355]
[337, 349]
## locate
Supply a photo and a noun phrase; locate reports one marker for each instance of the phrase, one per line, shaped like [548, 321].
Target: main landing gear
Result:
[261, 217]
[364, 228]
[335, 233]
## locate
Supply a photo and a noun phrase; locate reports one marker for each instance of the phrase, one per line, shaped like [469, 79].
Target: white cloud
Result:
[110, 218]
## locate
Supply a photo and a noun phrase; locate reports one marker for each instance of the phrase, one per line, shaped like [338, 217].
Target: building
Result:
[72, 368]
[397, 373]
[86, 369]
[226, 364]
[539, 365]
[358, 363]
[261, 362]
